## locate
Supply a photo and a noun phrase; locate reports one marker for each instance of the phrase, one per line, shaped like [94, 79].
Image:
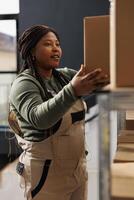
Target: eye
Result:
[58, 44]
[47, 44]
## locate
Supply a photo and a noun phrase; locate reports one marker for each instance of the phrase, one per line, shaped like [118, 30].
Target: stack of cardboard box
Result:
[121, 70]
[130, 119]
[122, 170]
[122, 181]
[122, 43]
[113, 50]
[125, 146]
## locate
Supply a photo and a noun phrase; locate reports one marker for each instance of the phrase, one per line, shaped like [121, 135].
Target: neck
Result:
[45, 73]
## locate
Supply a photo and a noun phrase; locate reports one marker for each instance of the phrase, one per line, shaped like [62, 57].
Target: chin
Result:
[55, 66]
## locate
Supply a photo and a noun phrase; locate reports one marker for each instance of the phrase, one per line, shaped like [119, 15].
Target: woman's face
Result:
[47, 52]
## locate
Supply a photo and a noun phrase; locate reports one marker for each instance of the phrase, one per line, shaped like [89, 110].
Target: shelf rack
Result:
[120, 100]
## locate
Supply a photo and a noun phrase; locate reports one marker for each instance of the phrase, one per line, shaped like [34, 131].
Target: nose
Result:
[55, 47]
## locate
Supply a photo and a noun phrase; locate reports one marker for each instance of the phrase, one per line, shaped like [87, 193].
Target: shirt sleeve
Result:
[25, 97]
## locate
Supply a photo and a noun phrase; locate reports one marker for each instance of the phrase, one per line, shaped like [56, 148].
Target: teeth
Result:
[56, 56]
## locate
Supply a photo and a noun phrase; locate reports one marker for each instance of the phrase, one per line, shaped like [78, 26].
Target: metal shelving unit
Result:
[120, 99]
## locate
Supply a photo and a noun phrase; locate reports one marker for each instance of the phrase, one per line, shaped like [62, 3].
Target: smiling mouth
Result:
[55, 57]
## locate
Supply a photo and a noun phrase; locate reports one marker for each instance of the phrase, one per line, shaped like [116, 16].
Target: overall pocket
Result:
[42, 179]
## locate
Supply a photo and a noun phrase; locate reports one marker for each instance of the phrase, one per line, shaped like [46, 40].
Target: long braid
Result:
[35, 73]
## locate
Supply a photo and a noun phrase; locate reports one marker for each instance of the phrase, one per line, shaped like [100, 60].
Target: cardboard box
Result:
[122, 181]
[96, 43]
[130, 120]
[124, 153]
[125, 146]
[121, 198]
[122, 43]
[125, 136]
[125, 139]
[130, 124]
[126, 132]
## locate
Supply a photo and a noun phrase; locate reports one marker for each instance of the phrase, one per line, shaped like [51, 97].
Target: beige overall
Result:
[55, 168]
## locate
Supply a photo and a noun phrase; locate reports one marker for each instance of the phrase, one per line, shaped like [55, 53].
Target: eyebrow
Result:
[49, 40]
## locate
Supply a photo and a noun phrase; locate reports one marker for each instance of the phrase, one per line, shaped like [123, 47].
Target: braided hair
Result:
[27, 41]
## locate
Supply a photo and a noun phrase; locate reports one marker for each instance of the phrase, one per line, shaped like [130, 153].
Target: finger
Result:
[93, 74]
[102, 82]
[82, 66]
[101, 77]
[82, 70]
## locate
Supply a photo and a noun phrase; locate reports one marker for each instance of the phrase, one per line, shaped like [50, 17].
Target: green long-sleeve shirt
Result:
[35, 115]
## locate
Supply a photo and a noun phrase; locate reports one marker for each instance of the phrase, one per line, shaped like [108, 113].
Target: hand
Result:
[84, 83]
[101, 80]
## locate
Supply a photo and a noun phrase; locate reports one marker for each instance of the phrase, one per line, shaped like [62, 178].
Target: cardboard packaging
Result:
[122, 43]
[96, 43]
[124, 153]
[126, 132]
[130, 119]
[122, 181]
[130, 124]
[125, 136]
[125, 146]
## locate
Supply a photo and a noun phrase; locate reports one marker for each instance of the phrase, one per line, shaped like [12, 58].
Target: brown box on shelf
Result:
[121, 198]
[125, 136]
[125, 139]
[122, 43]
[126, 132]
[124, 153]
[130, 119]
[130, 124]
[122, 181]
[96, 43]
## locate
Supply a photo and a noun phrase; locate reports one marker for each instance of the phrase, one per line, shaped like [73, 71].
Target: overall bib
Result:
[55, 168]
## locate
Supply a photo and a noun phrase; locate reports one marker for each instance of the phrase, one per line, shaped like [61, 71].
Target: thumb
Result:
[82, 70]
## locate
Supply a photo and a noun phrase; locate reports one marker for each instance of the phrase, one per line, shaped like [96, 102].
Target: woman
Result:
[47, 115]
